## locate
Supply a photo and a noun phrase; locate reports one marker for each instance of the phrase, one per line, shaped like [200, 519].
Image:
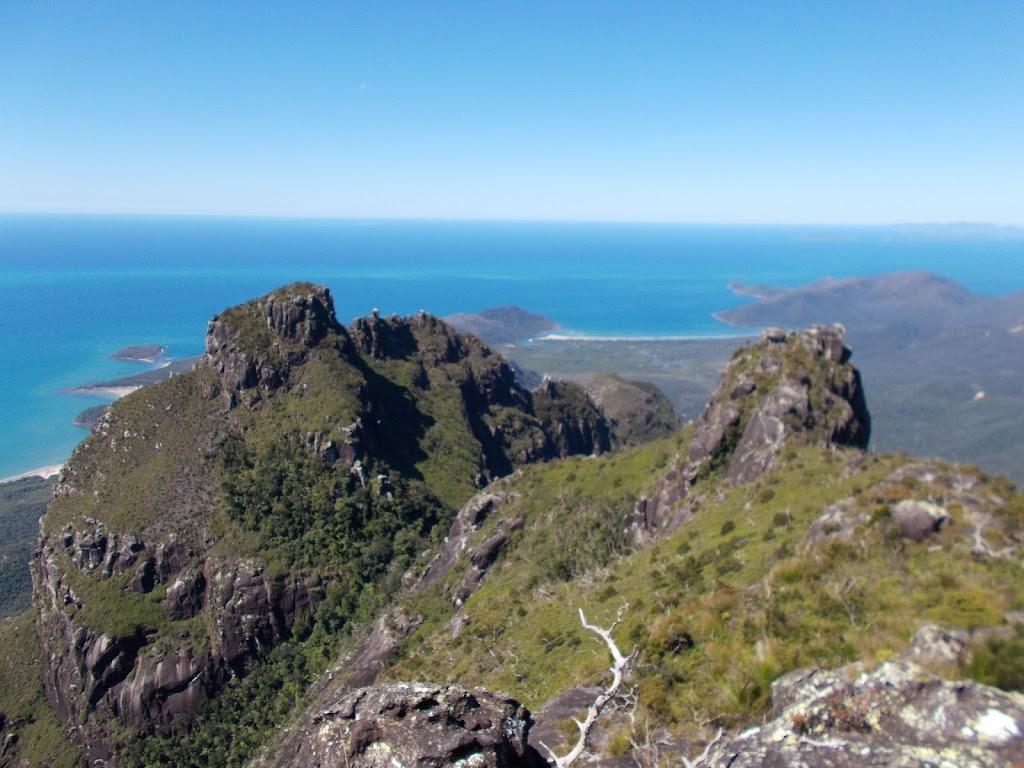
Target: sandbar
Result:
[43, 472]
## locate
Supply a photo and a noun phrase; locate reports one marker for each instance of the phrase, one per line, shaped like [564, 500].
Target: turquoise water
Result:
[76, 289]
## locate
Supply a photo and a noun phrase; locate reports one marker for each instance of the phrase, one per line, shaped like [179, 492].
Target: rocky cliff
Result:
[413, 724]
[790, 388]
[179, 550]
[224, 536]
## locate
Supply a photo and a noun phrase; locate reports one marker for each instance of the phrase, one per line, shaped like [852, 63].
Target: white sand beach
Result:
[114, 392]
[43, 472]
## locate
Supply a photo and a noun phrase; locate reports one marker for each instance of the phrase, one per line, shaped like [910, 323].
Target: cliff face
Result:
[177, 551]
[789, 388]
[303, 477]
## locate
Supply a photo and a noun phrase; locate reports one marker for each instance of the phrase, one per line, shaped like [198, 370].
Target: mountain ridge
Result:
[383, 503]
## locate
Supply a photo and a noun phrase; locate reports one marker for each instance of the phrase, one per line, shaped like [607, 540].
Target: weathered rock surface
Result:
[897, 715]
[787, 388]
[917, 519]
[252, 359]
[93, 679]
[412, 724]
[141, 620]
[571, 421]
[636, 412]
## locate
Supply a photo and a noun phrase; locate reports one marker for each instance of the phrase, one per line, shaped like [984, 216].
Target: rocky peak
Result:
[301, 313]
[422, 336]
[254, 346]
[788, 387]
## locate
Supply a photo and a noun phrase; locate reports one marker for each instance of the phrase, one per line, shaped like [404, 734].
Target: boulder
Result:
[413, 724]
[897, 715]
[917, 520]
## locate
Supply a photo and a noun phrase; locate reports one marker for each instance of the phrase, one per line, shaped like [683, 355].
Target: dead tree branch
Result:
[699, 760]
[619, 664]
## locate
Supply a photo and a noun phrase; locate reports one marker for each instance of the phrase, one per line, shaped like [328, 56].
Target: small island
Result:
[140, 353]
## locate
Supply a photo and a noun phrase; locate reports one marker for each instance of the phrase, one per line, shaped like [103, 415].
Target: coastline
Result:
[114, 392]
[719, 318]
[582, 337]
[44, 472]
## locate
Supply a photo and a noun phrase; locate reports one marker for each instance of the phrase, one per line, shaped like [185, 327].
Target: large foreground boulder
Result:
[414, 725]
[898, 715]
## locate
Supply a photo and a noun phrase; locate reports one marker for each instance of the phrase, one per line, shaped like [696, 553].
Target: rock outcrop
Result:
[897, 715]
[636, 411]
[255, 347]
[146, 611]
[412, 724]
[789, 388]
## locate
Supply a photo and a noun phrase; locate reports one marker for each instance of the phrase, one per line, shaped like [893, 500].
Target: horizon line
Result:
[915, 224]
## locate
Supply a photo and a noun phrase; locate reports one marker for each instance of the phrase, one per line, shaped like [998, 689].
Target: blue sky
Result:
[788, 112]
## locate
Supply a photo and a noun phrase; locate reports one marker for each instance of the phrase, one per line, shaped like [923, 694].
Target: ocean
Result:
[75, 289]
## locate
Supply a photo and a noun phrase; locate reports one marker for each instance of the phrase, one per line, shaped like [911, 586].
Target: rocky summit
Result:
[259, 561]
[788, 388]
[168, 563]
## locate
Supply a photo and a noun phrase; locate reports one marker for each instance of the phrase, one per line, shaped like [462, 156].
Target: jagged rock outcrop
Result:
[254, 358]
[94, 678]
[571, 421]
[413, 724]
[897, 715]
[146, 610]
[787, 388]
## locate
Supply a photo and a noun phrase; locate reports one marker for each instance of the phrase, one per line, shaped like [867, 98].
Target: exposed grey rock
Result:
[788, 387]
[412, 724]
[298, 316]
[837, 521]
[897, 715]
[918, 520]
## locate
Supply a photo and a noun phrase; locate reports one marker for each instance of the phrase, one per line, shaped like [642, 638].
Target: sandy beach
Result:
[114, 392]
[43, 472]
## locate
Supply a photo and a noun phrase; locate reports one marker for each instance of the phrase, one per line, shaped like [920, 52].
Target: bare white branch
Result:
[699, 760]
[618, 667]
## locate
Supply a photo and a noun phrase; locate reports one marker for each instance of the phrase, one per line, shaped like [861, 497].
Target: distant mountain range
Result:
[901, 301]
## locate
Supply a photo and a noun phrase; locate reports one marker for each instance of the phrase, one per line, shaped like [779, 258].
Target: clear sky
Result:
[795, 112]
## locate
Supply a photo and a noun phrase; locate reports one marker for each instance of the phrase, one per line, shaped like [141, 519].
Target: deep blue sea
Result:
[74, 289]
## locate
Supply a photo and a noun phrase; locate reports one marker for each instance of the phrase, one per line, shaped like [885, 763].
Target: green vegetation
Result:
[22, 503]
[999, 660]
[343, 468]
[724, 605]
[685, 370]
[23, 707]
[230, 728]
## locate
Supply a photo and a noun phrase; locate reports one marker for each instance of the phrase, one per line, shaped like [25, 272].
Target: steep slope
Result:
[636, 411]
[790, 388]
[824, 557]
[271, 496]
[221, 532]
[22, 502]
